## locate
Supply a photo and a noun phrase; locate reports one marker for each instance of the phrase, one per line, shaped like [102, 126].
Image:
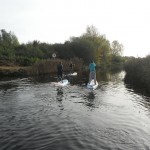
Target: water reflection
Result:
[91, 95]
[59, 93]
[110, 76]
[90, 101]
[59, 98]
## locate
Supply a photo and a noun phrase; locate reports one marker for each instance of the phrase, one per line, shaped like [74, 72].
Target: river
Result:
[35, 115]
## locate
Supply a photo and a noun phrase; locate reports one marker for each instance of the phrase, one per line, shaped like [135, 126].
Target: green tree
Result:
[81, 48]
[8, 42]
[47, 50]
[100, 46]
[116, 48]
[116, 54]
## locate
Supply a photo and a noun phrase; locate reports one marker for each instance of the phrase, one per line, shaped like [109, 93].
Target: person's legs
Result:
[59, 75]
[95, 78]
[90, 78]
[71, 70]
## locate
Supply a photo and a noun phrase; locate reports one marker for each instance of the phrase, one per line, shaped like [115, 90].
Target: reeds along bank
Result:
[50, 66]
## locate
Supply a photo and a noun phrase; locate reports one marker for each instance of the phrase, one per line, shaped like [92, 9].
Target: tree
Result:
[99, 45]
[91, 31]
[116, 48]
[8, 42]
[116, 54]
[82, 48]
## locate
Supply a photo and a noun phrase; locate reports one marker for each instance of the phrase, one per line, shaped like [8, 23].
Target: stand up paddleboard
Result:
[92, 85]
[61, 83]
[73, 74]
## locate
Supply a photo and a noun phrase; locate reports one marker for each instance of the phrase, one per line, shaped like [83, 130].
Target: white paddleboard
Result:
[92, 85]
[61, 83]
[73, 74]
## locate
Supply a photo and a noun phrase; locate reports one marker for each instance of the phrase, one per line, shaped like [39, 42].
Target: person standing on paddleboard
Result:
[71, 67]
[60, 71]
[92, 75]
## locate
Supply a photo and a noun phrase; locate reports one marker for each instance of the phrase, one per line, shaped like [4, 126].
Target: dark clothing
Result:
[71, 67]
[59, 70]
[59, 74]
[60, 67]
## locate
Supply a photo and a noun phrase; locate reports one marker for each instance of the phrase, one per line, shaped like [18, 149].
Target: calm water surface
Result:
[35, 115]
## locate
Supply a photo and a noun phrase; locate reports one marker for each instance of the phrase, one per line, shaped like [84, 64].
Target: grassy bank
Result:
[39, 68]
[138, 72]
[50, 66]
[14, 71]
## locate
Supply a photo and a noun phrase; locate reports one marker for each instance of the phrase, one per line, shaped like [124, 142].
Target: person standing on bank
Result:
[92, 75]
[60, 71]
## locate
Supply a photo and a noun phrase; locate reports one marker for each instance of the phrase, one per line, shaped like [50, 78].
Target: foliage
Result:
[92, 46]
[8, 42]
[82, 48]
[89, 46]
[138, 72]
[116, 48]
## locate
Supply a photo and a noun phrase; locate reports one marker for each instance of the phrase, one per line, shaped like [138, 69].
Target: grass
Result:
[39, 68]
[50, 66]
[12, 68]
[14, 71]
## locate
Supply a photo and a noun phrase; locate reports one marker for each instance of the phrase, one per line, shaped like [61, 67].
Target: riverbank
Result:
[39, 68]
[14, 71]
[138, 73]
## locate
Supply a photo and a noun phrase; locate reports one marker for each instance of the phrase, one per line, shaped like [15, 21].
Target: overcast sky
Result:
[55, 21]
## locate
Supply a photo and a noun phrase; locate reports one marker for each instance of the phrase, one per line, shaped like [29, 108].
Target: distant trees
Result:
[82, 48]
[8, 43]
[27, 54]
[116, 48]
[92, 46]
[116, 54]
[89, 46]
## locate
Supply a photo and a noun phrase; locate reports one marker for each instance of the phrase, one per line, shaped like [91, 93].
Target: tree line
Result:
[89, 46]
[138, 73]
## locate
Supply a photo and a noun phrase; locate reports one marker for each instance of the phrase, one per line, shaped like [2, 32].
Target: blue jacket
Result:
[92, 67]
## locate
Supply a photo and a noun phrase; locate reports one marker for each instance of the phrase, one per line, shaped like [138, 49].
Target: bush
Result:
[138, 72]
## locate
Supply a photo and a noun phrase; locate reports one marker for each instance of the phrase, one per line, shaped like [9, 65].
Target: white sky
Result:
[55, 21]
